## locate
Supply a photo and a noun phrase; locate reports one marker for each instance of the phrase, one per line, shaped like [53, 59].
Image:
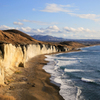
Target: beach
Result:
[31, 82]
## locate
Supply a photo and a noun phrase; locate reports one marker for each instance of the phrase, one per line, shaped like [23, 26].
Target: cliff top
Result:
[16, 37]
[73, 44]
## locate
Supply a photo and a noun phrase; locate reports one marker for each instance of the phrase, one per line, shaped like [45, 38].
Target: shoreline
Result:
[32, 82]
[48, 90]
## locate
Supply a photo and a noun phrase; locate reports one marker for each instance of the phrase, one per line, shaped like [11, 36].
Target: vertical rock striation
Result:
[16, 55]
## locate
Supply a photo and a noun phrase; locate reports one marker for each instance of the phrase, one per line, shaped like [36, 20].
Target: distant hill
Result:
[48, 38]
[73, 44]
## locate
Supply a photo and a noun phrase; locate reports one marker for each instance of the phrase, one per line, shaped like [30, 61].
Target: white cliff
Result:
[16, 56]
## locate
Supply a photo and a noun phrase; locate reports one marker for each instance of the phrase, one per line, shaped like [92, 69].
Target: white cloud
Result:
[53, 27]
[56, 8]
[4, 27]
[80, 33]
[26, 29]
[93, 17]
[38, 22]
[33, 9]
[17, 23]
[64, 35]
[68, 32]
[49, 30]
[80, 29]
[87, 16]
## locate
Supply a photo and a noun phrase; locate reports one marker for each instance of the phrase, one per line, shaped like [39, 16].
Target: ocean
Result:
[76, 73]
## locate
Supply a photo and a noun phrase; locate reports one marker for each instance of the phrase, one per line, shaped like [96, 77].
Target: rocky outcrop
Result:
[17, 55]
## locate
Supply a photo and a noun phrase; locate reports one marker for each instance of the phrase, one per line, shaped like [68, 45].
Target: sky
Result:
[70, 19]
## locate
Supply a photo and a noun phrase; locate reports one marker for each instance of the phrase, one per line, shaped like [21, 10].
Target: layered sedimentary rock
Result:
[16, 54]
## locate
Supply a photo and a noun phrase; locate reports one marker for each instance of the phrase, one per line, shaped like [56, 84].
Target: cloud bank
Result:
[56, 8]
[17, 23]
[38, 22]
[78, 30]
[65, 32]
[93, 17]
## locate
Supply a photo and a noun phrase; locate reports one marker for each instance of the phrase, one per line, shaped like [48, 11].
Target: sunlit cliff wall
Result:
[16, 55]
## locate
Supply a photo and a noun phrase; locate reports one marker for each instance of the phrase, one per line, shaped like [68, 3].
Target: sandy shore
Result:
[31, 82]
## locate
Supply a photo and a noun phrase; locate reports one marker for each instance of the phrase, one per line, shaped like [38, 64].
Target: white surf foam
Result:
[67, 89]
[72, 70]
[87, 80]
[78, 94]
[71, 92]
[84, 50]
[59, 62]
[58, 80]
[68, 92]
[76, 70]
[64, 63]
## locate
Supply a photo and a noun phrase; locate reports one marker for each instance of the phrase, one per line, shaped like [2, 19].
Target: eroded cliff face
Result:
[17, 55]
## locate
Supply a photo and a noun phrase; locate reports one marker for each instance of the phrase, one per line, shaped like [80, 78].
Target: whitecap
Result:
[58, 80]
[64, 63]
[76, 70]
[71, 92]
[84, 50]
[72, 70]
[87, 80]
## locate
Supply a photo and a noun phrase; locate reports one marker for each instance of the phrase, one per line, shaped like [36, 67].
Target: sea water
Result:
[76, 73]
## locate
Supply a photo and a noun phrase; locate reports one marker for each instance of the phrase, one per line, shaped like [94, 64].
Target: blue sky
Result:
[75, 19]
